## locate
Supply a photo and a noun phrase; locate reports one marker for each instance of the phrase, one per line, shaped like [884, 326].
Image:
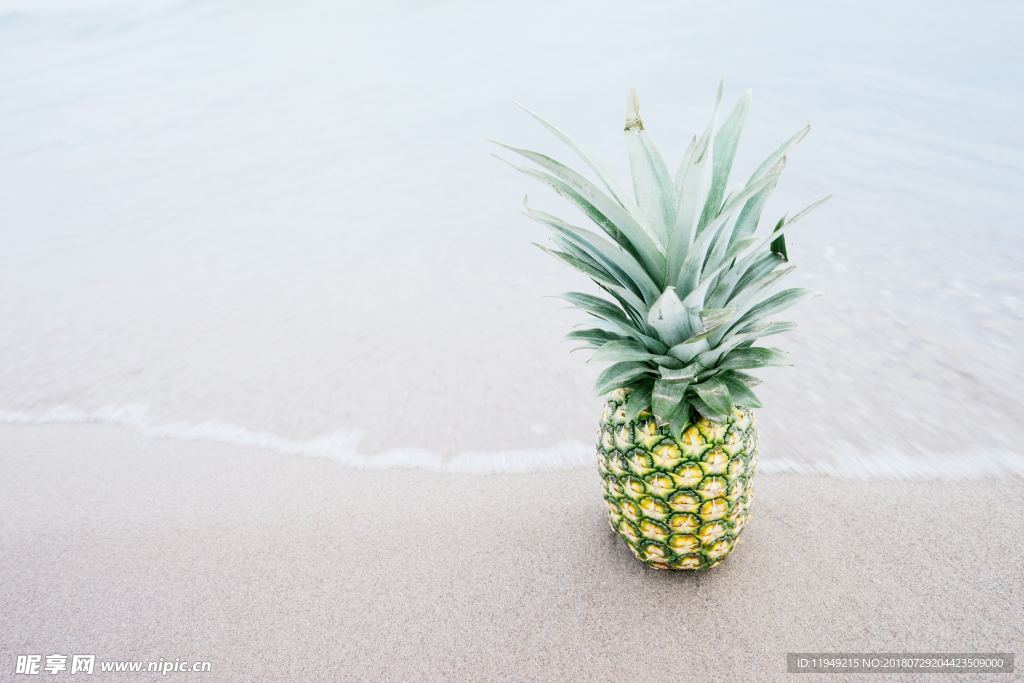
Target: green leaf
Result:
[621, 350]
[583, 265]
[596, 204]
[715, 393]
[653, 345]
[611, 255]
[750, 215]
[689, 350]
[680, 375]
[596, 306]
[762, 329]
[696, 339]
[666, 397]
[605, 179]
[744, 335]
[667, 362]
[720, 234]
[776, 156]
[693, 192]
[779, 247]
[773, 304]
[689, 274]
[761, 267]
[752, 357]
[687, 162]
[619, 375]
[742, 298]
[705, 410]
[733, 251]
[806, 210]
[626, 297]
[672, 321]
[582, 204]
[638, 401]
[724, 151]
[783, 225]
[593, 336]
[747, 379]
[725, 284]
[616, 318]
[710, 318]
[693, 181]
[679, 419]
[630, 302]
[655, 193]
[739, 391]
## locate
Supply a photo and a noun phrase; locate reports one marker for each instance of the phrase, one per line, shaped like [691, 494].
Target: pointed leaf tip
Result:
[633, 121]
[778, 247]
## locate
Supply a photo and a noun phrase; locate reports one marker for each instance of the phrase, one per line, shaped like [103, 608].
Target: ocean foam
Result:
[342, 446]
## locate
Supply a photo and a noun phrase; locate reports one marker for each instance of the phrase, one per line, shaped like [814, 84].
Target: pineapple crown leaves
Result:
[690, 284]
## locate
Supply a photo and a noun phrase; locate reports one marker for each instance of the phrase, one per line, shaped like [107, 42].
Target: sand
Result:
[278, 225]
[277, 568]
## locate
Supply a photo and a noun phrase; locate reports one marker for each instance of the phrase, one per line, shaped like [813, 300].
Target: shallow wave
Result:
[342, 446]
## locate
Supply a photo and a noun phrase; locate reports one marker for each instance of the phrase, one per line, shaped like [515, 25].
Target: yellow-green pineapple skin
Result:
[678, 503]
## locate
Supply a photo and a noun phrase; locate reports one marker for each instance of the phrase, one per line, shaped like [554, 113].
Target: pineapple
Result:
[689, 290]
[679, 503]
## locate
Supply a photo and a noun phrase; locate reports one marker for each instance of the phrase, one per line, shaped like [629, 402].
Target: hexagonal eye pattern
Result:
[684, 501]
[687, 475]
[684, 543]
[684, 523]
[666, 456]
[660, 484]
[715, 461]
[678, 503]
[655, 508]
[653, 530]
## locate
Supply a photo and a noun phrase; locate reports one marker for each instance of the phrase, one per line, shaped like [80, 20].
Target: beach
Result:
[272, 567]
[284, 386]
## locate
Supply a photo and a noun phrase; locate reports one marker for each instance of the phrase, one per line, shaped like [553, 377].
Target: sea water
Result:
[279, 224]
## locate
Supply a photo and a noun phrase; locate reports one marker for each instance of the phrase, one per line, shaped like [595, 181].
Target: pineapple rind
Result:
[678, 503]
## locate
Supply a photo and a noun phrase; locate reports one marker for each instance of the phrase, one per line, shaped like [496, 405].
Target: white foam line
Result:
[894, 465]
[342, 447]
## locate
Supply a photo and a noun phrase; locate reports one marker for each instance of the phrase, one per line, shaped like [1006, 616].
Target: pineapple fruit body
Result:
[679, 503]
